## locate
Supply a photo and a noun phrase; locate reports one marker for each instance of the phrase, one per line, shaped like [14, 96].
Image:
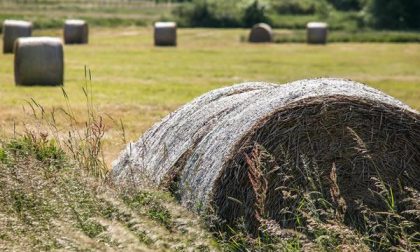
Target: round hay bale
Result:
[165, 33]
[317, 32]
[13, 29]
[225, 149]
[76, 31]
[39, 61]
[261, 33]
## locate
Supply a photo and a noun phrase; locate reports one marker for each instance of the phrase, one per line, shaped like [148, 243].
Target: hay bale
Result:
[39, 61]
[317, 32]
[165, 33]
[76, 31]
[206, 151]
[261, 33]
[13, 29]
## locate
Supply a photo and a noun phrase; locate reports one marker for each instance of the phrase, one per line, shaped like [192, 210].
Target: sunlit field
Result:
[138, 83]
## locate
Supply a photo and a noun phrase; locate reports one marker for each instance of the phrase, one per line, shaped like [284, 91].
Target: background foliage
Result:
[343, 14]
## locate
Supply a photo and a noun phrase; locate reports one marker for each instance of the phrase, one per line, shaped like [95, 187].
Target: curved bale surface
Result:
[12, 30]
[316, 33]
[165, 33]
[232, 150]
[76, 31]
[39, 61]
[261, 33]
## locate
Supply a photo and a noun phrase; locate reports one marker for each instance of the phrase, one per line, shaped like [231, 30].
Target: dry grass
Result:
[48, 203]
[140, 84]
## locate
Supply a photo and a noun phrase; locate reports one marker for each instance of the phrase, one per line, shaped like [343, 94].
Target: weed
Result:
[161, 214]
[151, 204]
[3, 155]
[92, 228]
[83, 145]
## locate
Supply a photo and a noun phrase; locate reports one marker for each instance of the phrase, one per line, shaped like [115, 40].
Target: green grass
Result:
[139, 83]
[48, 203]
[288, 21]
[50, 14]
[45, 197]
[363, 36]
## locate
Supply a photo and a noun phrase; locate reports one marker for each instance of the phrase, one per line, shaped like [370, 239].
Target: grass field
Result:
[139, 83]
[53, 190]
[50, 13]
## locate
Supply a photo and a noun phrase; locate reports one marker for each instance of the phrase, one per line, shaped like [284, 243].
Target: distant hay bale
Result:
[165, 33]
[317, 32]
[261, 33]
[39, 61]
[223, 150]
[13, 29]
[76, 31]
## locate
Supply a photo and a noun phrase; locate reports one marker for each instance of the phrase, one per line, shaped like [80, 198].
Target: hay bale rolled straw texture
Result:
[317, 33]
[261, 33]
[165, 34]
[213, 152]
[13, 29]
[39, 61]
[76, 31]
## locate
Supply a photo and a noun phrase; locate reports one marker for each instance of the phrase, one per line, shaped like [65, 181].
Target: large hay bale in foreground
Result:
[213, 151]
[13, 29]
[316, 32]
[39, 61]
[261, 33]
[165, 33]
[76, 31]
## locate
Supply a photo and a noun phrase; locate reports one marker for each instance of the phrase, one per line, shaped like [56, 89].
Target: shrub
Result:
[295, 7]
[209, 13]
[393, 14]
[346, 4]
[255, 13]
[216, 13]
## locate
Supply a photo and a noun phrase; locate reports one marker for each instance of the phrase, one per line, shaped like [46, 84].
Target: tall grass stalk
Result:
[82, 138]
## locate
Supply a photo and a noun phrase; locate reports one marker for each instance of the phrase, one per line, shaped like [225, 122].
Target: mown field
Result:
[50, 13]
[54, 193]
[137, 83]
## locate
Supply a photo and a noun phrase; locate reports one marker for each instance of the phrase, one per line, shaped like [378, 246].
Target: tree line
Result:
[377, 14]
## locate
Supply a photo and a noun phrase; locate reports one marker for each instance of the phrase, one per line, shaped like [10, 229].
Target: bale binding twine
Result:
[261, 33]
[39, 61]
[76, 31]
[316, 32]
[165, 34]
[13, 29]
[230, 151]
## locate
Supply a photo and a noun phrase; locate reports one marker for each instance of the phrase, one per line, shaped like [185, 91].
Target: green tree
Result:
[255, 13]
[346, 5]
[393, 14]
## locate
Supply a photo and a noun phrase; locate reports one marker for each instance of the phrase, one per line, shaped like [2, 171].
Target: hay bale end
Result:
[39, 61]
[261, 33]
[12, 30]
[76, 31]
[165, 34]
